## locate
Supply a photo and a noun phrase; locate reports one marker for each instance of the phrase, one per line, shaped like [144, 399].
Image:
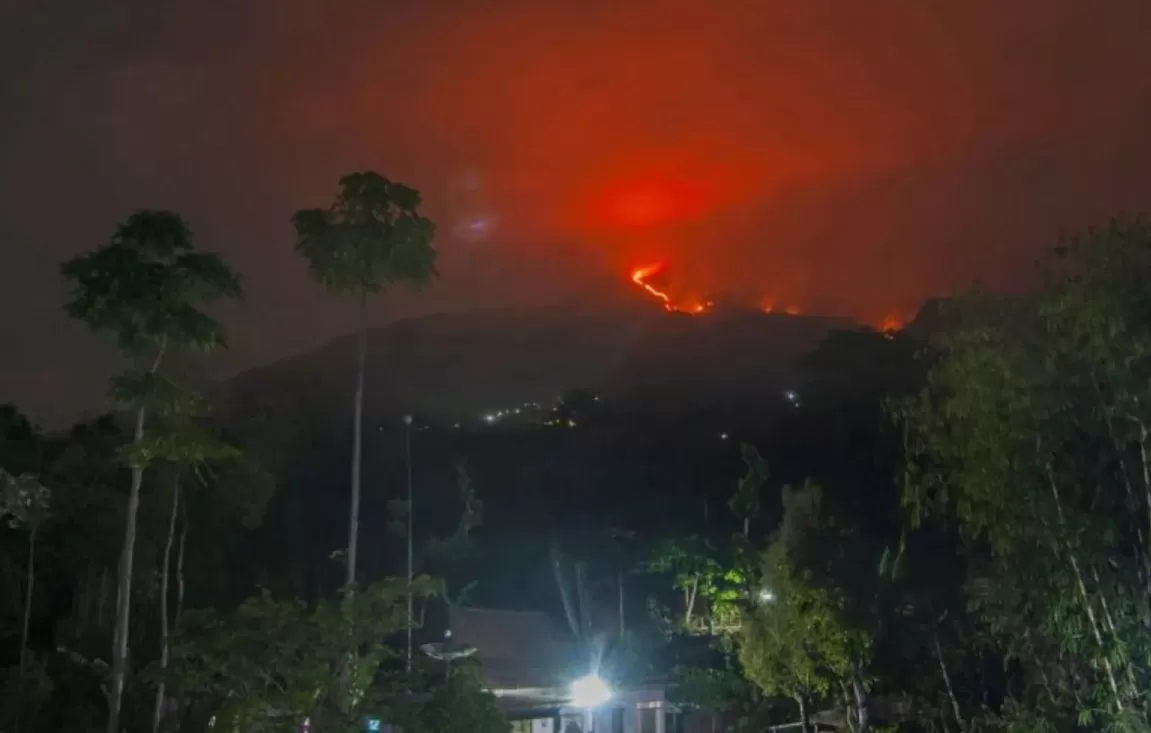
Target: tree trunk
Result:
[180, 563]
[357, 449]
[345, 663]
[849, 715]
[1109, 624]
[1088, 606]
[1144, 550]
[124, 587]
[158, 710]
[1143, 434]
[83, 617]
[862, 718]
[689, 602]
[622, 624]
[27, 622]
[175, 725]
[803, 724]
[947, 684]
[102, 600]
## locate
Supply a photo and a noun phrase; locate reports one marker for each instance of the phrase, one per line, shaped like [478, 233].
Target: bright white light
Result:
[590, 692]
[766, 596]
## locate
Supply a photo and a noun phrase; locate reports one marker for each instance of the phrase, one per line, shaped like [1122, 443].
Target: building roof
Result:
[516, 649]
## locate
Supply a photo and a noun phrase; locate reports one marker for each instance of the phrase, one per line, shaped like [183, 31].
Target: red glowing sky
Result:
[844, 157]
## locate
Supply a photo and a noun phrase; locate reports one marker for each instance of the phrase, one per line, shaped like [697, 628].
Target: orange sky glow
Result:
[823, 156]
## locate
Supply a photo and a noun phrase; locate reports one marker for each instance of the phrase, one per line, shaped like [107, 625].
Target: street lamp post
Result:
[411, 510]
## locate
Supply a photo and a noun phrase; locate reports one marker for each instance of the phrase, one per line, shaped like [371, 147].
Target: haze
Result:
[847, 157]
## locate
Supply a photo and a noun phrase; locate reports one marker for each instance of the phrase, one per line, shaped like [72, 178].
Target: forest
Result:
[950, 531]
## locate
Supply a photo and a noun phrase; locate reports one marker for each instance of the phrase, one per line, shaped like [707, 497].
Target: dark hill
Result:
[453, 367]
[680, 395]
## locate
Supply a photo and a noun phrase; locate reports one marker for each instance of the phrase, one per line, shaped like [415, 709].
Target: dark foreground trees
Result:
[982, 562]
[145, 288]
[1032, 439]
[1010, 590]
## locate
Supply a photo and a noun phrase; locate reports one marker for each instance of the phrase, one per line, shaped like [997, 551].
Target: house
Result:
[529, 664]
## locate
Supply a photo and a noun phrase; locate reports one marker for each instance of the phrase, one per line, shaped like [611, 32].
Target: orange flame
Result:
[640, 277]
[769, 305]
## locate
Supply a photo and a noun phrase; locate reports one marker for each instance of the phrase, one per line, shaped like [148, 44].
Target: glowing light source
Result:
[641, 276]
[891, 324]
[766, 596]
[590, 692]
[645, 206]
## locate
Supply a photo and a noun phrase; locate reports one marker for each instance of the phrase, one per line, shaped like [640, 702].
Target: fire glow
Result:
[641, 276]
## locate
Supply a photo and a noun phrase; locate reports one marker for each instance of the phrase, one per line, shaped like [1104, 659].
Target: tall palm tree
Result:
[371, 237]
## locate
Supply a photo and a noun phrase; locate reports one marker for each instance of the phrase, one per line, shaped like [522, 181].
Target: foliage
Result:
[705, 688]
[23, 499]
[1032, 436]
[269, 663]
[19, 442]
[704, 581]
[799, 642]
[1017, 598]
[443, 705]
[142, 287]
[458, 545]
[146, 288]
[745, 503]
[372, 236]
[35, 687]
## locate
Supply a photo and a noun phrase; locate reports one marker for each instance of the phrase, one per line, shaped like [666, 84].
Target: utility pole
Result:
[411, 511]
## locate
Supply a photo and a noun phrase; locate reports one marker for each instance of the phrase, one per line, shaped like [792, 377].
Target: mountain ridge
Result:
[454, 366]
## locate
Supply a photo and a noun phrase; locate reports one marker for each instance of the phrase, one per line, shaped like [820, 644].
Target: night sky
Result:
[850, 157]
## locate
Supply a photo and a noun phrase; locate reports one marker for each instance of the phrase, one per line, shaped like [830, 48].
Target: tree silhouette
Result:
[145, 288]
[372, 236]
[24, 501]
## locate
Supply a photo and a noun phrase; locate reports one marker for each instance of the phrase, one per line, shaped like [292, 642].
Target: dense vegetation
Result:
[950, 531]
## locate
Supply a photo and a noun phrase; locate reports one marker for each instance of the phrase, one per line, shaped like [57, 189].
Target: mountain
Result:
[679, 397]
[456, 366]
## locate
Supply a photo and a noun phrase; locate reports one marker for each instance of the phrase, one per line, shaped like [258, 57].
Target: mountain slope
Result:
[455, 366]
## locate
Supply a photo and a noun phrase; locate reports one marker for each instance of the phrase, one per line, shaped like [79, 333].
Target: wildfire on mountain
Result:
[641, 276]
[649, 279]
